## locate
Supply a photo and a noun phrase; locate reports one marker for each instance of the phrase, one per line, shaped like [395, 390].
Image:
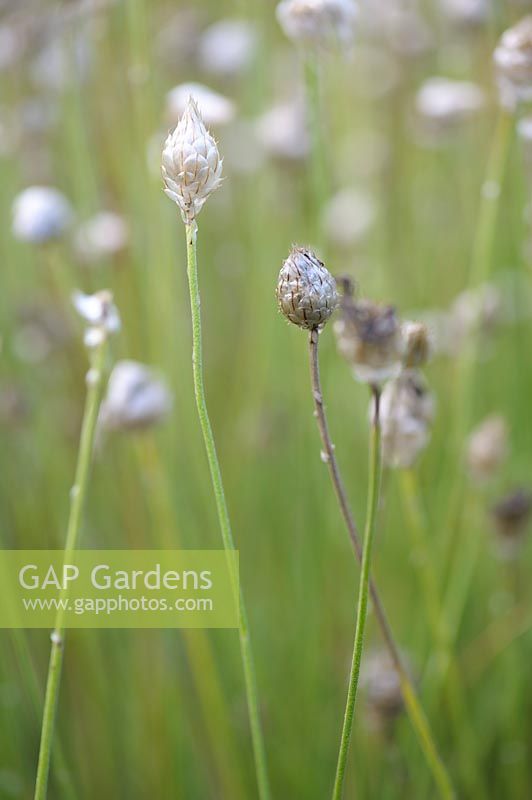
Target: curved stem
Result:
[223, 515]
[371, 515]
[77, 500]
[412, 704]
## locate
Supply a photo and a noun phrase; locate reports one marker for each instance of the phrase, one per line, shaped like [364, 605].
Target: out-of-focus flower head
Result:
[349, 216]
[101, 236]
[100, 313]
[381, 685]
[406, 414]
[282, 132]
[368, 336]
[215, 109]
[227, 47]
[191, 164]
[513, 64]
[318, 22]
[443, 104]
[487, 448]
[41, 214]
[137, 398]
[465, 13]
[417, 344]
[511, 516]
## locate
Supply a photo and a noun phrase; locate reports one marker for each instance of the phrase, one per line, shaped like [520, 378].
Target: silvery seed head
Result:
[100, 313]
[487, 448]
[306, 290]
[406, 415]
[40, 214]
[513, 64]
[191, 164]
[318, 22]
[369, 338]
[137, 398]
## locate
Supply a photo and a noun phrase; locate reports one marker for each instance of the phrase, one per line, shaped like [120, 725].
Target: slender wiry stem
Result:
[363, 591]
[223, 515]
[412, 704]
[77, 499]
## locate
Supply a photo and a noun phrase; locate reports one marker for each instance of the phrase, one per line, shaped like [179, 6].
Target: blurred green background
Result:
[147, 714]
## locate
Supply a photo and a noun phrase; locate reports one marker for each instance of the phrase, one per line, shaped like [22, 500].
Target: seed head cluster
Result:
[306, 290]
[191, 164]
[369, 337]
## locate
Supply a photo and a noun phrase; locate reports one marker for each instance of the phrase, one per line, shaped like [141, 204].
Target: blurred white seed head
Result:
[381, 685]
[368, 336]
[475, 309]
[100, 313]
[103, 235]
[318, 22]
[349, 216]
[487, 448]
[215, 109]
[406, 415]
[306, 290]
[465, 13]
[417, 344]
[191, 164]
[227, 47]
[443, 104]
[513, 64]
[40, 214]
[137, 398]
[511, 517]
[282, 132]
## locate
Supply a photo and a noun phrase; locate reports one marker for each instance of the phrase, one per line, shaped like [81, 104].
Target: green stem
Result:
[77, 501]
[363, 592]
[223, 514]
[413, 707]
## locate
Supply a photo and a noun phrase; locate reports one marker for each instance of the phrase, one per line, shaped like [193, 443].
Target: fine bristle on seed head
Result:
[306, 290]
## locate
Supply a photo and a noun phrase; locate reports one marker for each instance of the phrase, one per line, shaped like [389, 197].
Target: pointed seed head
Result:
[306, 290]
[191, 164]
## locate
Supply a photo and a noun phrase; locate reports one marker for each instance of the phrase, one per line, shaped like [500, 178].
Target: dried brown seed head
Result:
[369, 338]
